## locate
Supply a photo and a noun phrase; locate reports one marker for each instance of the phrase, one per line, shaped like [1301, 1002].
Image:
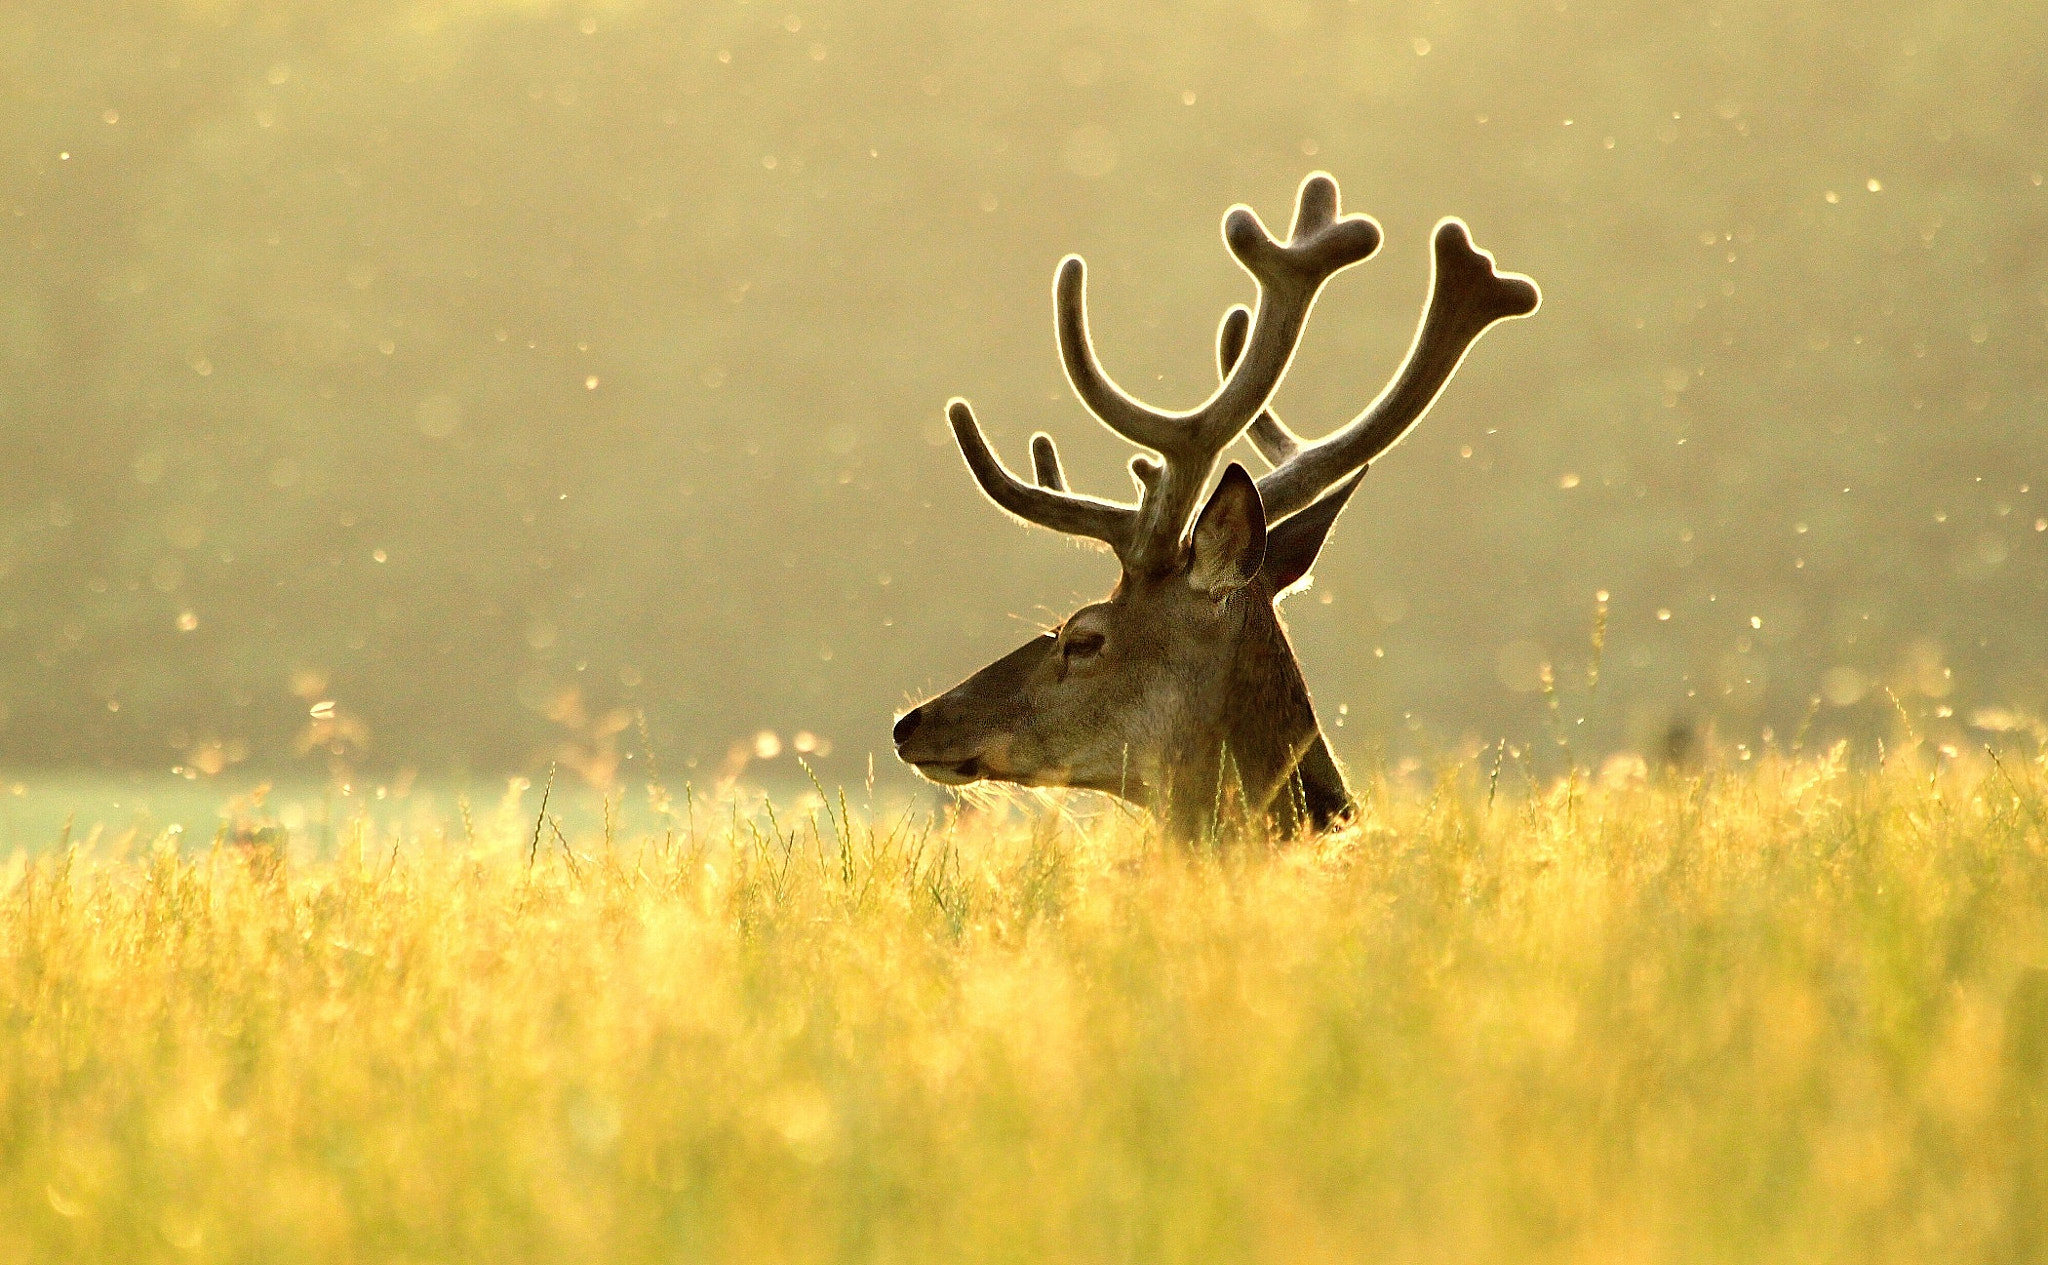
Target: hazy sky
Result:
[496, 370]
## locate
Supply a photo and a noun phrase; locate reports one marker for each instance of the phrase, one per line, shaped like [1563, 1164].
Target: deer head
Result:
[1179, 690]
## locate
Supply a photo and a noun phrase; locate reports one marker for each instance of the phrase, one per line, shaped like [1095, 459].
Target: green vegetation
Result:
[1788, 1012]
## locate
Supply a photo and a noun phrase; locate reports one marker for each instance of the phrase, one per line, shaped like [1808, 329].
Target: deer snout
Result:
[937, 750]
[907, 724]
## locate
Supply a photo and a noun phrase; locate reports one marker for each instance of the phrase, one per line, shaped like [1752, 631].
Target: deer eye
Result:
[1081, 645]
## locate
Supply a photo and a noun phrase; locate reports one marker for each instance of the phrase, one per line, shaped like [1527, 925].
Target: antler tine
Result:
[1290, 275]
[1136, 422]
[1466, 297]
[1269, 434]
[1049, 505]
[1045, 463]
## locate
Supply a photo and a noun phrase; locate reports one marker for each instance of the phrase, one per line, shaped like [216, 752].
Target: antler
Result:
[1147, 538]
[1253, 352]
[1466, 297]
[1049, 504]
[1275, 442]
[1320, 243]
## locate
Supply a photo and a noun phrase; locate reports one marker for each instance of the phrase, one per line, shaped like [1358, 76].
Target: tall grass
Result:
[1791, 1013]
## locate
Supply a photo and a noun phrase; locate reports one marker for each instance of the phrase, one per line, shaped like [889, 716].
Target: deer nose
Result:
[907, 724]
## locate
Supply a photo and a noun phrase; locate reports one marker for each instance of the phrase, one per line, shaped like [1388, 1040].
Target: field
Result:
[1792, 1010]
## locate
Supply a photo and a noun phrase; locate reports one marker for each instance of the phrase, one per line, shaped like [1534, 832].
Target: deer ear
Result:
[1294, 542]
[1230, 536]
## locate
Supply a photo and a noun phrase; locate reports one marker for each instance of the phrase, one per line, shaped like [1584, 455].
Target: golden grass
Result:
[1791, 1013]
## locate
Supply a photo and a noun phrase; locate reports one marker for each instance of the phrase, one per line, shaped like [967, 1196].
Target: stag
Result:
[1180, 691]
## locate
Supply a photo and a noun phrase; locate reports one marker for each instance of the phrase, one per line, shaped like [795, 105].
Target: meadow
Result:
[1794, 1009]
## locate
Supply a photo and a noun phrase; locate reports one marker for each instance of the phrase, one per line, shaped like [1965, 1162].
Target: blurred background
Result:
[432, 388]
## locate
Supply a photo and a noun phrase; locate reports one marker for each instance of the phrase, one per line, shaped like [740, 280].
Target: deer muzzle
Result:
[930, 755]
[969, 733]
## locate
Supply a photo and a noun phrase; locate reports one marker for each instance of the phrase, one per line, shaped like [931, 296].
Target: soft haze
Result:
[497, 369]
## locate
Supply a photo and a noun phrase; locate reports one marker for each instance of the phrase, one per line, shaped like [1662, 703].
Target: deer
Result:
[1180, 692]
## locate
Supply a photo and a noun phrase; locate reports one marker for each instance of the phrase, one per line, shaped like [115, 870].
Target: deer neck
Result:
[1243, 741]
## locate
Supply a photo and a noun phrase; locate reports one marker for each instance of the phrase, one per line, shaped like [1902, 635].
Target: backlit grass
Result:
[1792, 1012]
